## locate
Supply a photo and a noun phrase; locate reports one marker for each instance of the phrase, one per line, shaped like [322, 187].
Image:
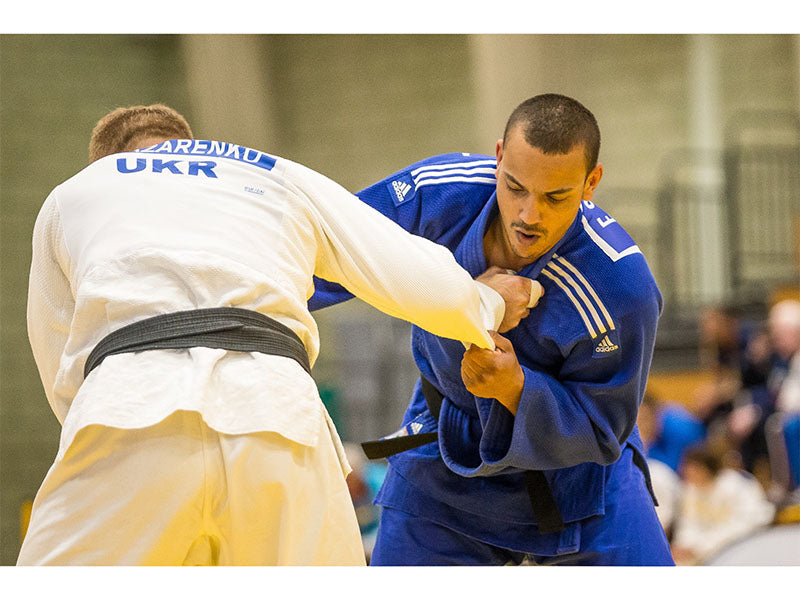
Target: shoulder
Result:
[440, 178]
[456, 163]
[603, 277]
[438, 197]
[610, 261]
[92, 175]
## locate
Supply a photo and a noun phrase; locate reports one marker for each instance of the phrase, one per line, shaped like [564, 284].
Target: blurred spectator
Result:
[784, 331]
[736, 351]
[363, 483]
[667, 488]
[784, 328]
[756, 403]
[723, 338]
[751, 367]
[718, 505]
[783, 439]
[668, 429]
[789, 392]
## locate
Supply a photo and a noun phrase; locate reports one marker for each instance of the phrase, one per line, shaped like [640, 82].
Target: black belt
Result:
[227, 328]
[545, 509]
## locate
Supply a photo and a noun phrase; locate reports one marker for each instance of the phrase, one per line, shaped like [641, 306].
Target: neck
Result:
[497, 251]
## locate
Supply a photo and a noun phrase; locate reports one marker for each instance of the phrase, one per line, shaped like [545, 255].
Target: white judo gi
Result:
[208, 456]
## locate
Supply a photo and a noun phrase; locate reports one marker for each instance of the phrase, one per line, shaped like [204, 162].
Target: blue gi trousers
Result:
[629, 533]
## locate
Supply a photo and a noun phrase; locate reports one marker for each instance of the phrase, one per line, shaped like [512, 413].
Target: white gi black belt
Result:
[227, 328]
[545, 509]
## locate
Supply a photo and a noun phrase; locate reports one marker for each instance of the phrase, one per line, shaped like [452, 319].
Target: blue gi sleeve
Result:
[378, 197]
[423, 200]
[583, 414]
[326, 294]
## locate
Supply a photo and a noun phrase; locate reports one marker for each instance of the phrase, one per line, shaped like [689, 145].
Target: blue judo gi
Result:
[585, 351]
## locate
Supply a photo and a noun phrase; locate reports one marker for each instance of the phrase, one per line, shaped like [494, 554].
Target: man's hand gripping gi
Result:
[497, 373]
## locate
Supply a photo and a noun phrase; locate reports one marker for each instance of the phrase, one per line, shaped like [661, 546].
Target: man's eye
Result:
[556, 200]
[516, 190]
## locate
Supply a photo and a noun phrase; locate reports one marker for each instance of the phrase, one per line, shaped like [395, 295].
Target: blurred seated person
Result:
[784, 377]
[754, 404]
[668, 429]
[727, 341]
[737, 352]
[789, 392]
[667, 487]
[718, 505]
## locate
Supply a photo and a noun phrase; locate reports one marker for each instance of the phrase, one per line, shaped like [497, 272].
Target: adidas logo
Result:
[401, 188]
[413, 428]
[606, 346]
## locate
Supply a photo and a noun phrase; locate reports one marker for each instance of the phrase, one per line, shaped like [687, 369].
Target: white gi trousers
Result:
[180, 493]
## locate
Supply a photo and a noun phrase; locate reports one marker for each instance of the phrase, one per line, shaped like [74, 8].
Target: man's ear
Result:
[498, 152]
[592, 181]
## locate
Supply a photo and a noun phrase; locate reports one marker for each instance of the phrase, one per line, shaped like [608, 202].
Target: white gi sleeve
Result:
[50, 301]
[400, 274]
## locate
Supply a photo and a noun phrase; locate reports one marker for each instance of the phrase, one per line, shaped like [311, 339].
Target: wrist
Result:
[512, 395]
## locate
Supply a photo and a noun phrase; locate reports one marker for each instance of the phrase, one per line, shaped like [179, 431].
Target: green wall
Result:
[53, 89]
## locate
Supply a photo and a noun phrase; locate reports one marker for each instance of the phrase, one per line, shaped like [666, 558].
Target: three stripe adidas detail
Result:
[475, 171]
[591, 309]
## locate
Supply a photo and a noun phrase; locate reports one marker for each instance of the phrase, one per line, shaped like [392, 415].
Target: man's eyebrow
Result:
[560, 191]
[550, 193]
[514, 180]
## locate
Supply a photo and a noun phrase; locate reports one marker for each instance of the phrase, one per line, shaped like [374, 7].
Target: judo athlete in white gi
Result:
[196, 453]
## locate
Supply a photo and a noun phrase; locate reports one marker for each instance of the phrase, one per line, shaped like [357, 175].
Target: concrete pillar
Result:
[706, 219]
[229, 88]
[507, 70]
[797, 71]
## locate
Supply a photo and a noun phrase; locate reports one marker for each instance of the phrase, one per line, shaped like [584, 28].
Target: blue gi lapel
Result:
[469, 253]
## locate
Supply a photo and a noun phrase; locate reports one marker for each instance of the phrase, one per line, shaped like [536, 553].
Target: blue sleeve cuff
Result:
[459, 435]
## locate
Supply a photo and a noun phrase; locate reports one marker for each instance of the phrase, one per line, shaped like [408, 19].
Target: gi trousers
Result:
[629, 533]
[180, 493]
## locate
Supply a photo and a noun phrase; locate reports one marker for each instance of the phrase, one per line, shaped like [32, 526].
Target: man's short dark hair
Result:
[555, 124]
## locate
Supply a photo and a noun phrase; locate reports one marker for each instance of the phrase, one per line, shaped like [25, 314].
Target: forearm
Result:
[403, 275]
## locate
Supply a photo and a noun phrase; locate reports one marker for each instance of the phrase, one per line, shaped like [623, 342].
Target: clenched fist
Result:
[494, 373]
[520, 294]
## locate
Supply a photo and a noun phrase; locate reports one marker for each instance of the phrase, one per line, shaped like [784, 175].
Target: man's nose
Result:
[529, 212]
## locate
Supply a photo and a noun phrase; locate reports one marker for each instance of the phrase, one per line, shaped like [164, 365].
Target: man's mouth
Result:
[527, 238]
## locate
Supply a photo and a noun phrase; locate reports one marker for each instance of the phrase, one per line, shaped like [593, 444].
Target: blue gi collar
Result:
[469, 253]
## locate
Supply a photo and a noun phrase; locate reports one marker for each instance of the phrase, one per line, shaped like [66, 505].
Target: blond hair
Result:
[123, 129]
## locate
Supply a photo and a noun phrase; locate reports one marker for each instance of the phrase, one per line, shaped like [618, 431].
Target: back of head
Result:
[784, 327]
[555, 124]
[126, 129]
[706, 456]
[786, 313]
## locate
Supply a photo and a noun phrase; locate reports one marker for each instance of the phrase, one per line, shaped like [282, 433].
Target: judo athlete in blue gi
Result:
[535, 455]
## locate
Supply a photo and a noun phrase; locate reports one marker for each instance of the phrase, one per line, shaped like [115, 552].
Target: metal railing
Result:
[756, 201]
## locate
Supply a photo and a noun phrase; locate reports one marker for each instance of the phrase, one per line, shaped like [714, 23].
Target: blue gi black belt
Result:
[227, 328]
[548, 517]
